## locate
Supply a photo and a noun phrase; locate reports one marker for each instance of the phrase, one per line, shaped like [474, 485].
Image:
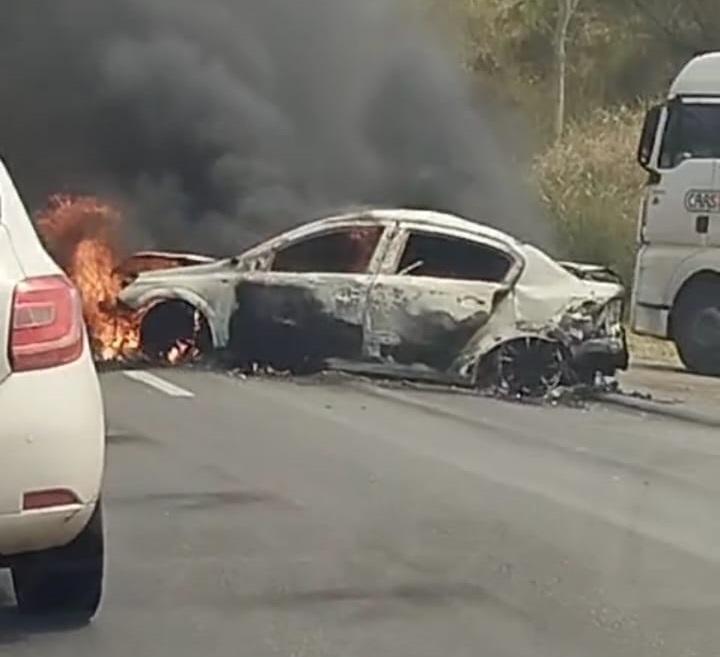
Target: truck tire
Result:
[696, 327]
[67, 581]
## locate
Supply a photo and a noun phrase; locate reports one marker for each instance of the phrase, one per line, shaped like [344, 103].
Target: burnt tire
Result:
[696, 327]
[526, 367]
[64, 582]
[170, 322]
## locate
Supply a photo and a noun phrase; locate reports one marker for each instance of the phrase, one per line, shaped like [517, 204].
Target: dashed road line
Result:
[156, 382]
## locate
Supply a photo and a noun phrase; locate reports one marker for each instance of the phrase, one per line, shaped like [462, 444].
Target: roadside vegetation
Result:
[582, 73]
[591, 185]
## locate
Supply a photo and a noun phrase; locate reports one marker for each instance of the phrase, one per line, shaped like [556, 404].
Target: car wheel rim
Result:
[530, 367]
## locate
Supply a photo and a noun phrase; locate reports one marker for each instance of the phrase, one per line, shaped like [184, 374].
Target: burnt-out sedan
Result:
[407, 293]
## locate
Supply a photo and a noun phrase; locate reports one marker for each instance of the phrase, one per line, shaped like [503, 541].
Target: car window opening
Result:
[347, 251]
[453, 258]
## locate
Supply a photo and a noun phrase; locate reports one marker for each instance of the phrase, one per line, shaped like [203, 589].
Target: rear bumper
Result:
[52, 436]
[32, 531]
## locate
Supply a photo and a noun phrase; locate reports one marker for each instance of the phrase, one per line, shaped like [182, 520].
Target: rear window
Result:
[453, 258]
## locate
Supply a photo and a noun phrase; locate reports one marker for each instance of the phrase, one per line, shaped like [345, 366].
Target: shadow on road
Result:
[426, 594]
[16, 627]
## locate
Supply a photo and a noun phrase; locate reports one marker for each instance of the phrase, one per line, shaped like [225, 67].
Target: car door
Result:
[310, 304]
[437, 291]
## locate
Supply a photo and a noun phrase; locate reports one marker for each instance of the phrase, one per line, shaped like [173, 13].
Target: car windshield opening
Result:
[692, 132]
[346, 251]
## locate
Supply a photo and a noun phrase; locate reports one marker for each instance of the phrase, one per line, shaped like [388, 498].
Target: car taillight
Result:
[47, 324]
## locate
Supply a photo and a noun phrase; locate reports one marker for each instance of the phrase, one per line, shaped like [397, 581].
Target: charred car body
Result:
[406, 293]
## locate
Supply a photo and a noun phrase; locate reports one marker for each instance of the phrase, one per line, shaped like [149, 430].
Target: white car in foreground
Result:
[51, 431]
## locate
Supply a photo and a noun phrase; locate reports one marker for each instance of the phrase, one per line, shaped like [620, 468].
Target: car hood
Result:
[603, 290]
[135, 292]
[158, 275]
[547, 289]
[591, 272]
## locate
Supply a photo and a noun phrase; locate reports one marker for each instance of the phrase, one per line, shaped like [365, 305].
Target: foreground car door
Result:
[438, 293]
[311, 305]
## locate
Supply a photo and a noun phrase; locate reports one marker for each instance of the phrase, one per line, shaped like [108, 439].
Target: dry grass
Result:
[592, 186]
[650, 350]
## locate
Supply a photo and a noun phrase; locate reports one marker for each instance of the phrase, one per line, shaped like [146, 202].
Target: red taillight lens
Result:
[47, 325]
[45, 499]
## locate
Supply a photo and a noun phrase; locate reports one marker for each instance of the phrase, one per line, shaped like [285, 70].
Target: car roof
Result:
[430, 218]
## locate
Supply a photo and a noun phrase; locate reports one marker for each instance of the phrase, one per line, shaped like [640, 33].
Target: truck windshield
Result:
[692, 132]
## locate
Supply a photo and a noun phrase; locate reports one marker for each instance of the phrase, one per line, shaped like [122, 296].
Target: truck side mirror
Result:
[649, 132]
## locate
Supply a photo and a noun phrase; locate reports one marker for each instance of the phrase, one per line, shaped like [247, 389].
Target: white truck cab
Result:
[676, 293]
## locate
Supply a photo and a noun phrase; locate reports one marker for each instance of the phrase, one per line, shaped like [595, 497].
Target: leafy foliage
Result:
[591, 184]
[620, 54]
[618, 50]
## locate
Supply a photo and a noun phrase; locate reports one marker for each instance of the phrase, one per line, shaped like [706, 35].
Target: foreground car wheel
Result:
[65, 581]
[697, 327]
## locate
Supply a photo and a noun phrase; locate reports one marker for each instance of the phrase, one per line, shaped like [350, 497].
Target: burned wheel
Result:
[529, 367]
[174, 332]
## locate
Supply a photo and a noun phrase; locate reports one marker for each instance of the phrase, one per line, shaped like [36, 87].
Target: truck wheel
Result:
[65, 581]
[696, 327]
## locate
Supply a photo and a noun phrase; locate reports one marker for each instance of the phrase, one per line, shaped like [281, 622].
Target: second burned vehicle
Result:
[406, 293]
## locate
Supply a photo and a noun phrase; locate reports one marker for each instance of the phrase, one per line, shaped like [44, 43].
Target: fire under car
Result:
[398, 293]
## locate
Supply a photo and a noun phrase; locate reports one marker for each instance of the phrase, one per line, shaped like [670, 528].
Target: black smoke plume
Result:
[218, 122]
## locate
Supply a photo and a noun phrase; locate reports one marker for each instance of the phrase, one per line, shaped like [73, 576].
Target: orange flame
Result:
[82, 235]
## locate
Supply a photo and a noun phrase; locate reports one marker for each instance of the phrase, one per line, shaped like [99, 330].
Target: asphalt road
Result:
[330, 518]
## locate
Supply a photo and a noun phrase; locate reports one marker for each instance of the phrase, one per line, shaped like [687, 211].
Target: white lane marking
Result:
[159, 384]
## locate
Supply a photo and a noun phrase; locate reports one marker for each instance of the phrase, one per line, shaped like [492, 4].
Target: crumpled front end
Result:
[542, 337]
[594, 336]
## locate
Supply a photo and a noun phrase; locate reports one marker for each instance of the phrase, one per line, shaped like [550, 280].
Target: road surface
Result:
[332, 518]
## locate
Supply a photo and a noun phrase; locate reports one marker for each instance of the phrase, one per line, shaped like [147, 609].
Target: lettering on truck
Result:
[698, 200]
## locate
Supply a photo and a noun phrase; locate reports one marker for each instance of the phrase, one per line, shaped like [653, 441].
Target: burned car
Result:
[406, 293]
